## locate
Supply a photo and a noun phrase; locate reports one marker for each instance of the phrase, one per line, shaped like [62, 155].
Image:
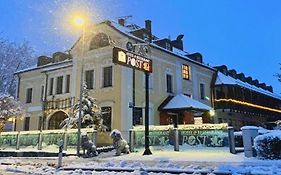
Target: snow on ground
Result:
[193, 161]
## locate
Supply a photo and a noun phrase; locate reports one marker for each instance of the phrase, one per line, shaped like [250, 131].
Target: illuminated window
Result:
[185, 72]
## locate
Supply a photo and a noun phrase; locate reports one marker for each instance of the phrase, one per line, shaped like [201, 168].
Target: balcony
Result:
[56, 104]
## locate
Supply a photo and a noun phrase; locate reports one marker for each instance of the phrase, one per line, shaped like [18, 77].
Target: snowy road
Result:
[188, 162]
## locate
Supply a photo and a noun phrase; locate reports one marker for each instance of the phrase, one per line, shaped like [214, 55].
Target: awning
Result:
[183, 102]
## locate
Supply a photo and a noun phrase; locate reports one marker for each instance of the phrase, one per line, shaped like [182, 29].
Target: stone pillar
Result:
[249, 133]
[231, 140]
[176, 141]
[131, 140]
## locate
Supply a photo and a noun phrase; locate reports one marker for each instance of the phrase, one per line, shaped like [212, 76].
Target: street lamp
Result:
[80, 22]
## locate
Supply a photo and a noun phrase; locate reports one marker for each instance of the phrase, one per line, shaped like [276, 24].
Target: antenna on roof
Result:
[124, 17]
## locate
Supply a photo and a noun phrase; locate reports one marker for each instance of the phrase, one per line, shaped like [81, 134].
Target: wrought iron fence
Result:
[46, 140]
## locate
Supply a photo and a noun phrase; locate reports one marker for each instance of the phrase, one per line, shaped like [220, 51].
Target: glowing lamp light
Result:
[78, 21]
[248, 104]
[212, 112]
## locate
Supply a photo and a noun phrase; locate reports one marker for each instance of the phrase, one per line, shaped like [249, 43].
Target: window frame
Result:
[92, 77]
[26, 124]
[202, 91]
[100, 40]
[42, 92]
[169, 86]
[67, 83]
[103, 115]
[51, 91]
[59, 85]
[185, 71]
[28, 98]
[108, 77]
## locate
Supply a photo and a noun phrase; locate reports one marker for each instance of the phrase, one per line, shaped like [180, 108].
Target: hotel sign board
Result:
[132, 60]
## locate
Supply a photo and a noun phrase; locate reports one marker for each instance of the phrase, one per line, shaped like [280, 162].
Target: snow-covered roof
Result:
[47, 67]
[181, 101]
[228, 80]
[57, 66]
[126, 31]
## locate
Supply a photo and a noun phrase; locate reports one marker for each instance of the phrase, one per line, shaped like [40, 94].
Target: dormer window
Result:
[145, 37]
[168, 46]
[98, 41]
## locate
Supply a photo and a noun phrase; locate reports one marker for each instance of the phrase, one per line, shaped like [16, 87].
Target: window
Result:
[137, 116]
[185, 72]
[107, 76]
[26, 123]
[29, 95]
[51, 86]
[202, 91]
[98, 41]
[42, 93]
[169, 83]
[67, 86]
[89, 78]
[40, 121]
[59, 84]
[106, 116]
[168, 46]
[15, 125]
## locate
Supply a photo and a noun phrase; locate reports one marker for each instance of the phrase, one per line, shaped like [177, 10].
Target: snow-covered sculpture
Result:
[119, 143]
[88, 146]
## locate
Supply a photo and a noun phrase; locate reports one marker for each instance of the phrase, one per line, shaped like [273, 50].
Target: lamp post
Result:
[80, 22]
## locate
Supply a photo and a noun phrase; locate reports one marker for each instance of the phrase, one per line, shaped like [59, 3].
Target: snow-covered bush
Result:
[268, 146]
[9, 107]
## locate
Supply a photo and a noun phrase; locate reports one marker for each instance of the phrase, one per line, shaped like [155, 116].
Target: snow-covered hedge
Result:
[268, 146]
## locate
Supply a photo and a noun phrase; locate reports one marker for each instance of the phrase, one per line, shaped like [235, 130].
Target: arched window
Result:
[98, 41]
[56, 119]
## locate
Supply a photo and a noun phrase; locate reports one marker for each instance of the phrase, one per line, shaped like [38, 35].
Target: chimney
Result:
[148, 29]
[241, 77]
[256, 82]
[249, 80]
[262, 85]
[222, 69]
[269, 88]
[196, 57]
[232, 73]
[177, 43]
[121, 21]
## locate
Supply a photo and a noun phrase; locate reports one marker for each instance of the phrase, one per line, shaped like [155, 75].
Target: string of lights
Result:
[248, 104]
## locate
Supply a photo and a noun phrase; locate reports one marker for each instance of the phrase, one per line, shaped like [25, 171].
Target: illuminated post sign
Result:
[132, 60]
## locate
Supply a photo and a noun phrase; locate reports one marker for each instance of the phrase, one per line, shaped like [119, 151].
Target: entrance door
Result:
[56, 119]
